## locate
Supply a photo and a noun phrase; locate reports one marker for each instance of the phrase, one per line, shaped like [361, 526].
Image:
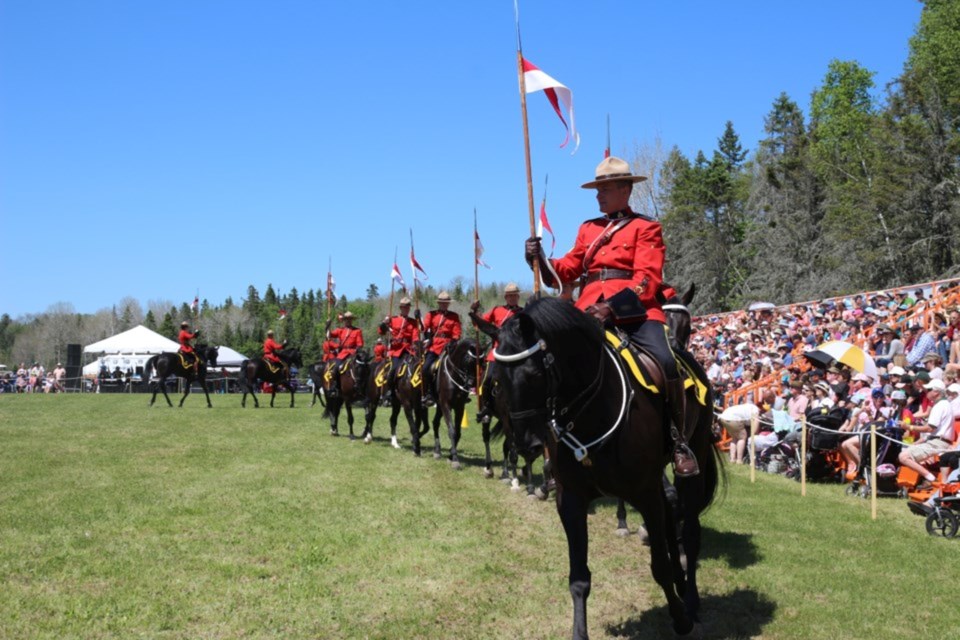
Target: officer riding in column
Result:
[271, 351]
[403, 333]
[189, 357]
[489, 323]
[441, 327]
[350, 339]
[618, 259]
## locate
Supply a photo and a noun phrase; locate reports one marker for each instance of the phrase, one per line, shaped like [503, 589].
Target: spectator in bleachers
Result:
[938, 429]
[931, 362]
[920, 344]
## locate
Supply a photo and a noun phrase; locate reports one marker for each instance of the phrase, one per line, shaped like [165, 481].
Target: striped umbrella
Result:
[844, 353]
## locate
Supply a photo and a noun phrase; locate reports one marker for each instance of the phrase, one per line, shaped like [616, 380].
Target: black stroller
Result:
[824, 461]
[889, 438]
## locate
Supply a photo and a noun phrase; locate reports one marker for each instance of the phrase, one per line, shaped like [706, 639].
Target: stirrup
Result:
[684, 462]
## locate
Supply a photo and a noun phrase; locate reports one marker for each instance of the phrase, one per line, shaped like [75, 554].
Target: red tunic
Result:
[403, 333]
[497, 316]
[270, 349]
[329, 350]
[445, 327]
[379, 352]
[184, 339]
[637, 247]
[350, 339]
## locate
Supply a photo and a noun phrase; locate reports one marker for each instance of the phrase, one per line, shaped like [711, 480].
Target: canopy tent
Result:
[138, 340]
[227, 357]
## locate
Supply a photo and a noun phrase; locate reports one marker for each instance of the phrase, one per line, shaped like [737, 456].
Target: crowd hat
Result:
[443, 296]
[511, 288]
[612, 170]
[935, 384]
[954, 388]
[897, 371]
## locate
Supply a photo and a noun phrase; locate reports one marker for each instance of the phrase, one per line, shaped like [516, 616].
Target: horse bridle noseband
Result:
[472, 353]
[564, 433]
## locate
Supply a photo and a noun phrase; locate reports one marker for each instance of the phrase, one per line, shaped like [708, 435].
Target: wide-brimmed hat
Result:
[184, 324]
[348, 314]
[612, 170]
[270, 332]
[443, 296]
[511, 288]
[404, 301]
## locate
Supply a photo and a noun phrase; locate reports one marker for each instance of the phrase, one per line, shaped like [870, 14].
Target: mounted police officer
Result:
[441, 327]
[403, 332]
[185, 337]
[350, 339]
[618, 259]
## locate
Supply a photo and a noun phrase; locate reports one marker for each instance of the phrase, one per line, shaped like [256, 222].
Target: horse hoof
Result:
[623, 533]
[515, 485]
[456, 466]
[352, 437]
[368, 439]
[533, 496]
[394, 443]
[539, 494]
[334, 432]
[436, 456]
[488, 473]
[644, 536]
[695, 633]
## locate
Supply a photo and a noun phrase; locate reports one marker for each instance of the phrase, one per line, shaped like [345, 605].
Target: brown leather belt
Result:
[608, 274]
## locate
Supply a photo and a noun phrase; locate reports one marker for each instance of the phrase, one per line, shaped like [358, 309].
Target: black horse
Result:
[565, 388]
[409, 397]
[253, 370]
[456, 375]
[315, 372]
[375, 391]
[348, 387]
[171, 364]
[676, 309]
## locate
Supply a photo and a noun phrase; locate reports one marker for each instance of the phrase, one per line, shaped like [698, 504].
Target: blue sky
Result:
[156, 149]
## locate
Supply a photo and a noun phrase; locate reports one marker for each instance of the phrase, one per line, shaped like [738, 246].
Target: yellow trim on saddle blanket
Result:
[690, 379]
[183, 361]
[383, 375]
[416, 378]
[623, 349]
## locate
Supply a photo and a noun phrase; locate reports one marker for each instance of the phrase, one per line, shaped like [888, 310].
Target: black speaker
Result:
[74, 366]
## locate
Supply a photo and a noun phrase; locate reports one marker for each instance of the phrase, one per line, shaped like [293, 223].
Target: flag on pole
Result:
[415, 266]
[396, 277]
[536, 80]
[478, 249]
[545, 225]
[283, 314]
[331, 285]
[195, 304]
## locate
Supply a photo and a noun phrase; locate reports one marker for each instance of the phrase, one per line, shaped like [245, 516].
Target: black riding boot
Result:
[334, 390]
[428, 397]
[684, 462]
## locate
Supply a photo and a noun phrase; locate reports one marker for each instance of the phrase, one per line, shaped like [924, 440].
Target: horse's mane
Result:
[565, 328]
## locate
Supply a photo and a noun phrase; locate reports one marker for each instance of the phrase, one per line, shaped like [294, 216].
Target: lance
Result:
[393, 283]
[476, 289]
[526, 150]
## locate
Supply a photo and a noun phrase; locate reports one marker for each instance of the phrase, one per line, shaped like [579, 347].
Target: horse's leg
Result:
[394, 414]
[203, 385]
[438, 413]
[369, 415]
[653, 510]
[691, 499]
[453, 432]
[346, 404]
[163, 387]
[543, 491]
[154, 397]
[622, 529]
[273, 394]
[333, 407]
[411, 417]
[572, 509]
[487, 458]
[186, 391]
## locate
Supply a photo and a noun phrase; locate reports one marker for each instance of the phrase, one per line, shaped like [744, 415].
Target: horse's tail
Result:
[150, 365]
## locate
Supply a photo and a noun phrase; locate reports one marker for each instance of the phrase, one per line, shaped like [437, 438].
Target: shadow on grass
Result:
[736, 549]
[740, 614]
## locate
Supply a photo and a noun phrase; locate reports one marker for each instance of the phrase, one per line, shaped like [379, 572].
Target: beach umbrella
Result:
[761, 306]
[844, 353]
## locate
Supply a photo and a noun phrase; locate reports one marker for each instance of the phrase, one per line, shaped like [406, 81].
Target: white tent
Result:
[129, 350]
[227, 357]
[139, 340]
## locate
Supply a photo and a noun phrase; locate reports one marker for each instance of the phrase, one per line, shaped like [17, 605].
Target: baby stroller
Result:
[888, 450]
[824, 461]
[943, 519]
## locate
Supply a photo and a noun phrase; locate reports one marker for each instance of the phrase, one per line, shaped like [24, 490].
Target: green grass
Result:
[119, 521]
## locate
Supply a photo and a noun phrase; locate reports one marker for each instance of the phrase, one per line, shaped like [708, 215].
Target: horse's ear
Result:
[688, 296]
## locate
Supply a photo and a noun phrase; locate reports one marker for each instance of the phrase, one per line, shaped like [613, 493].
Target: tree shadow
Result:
[736, 549]
[740, 614]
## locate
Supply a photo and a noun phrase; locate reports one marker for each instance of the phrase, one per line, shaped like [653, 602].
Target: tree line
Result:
[860, 193]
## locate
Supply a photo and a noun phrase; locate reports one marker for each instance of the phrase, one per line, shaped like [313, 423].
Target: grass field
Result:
[119, 521]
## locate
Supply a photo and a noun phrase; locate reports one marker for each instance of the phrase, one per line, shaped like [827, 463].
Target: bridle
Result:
[557, 412]
[457, 372]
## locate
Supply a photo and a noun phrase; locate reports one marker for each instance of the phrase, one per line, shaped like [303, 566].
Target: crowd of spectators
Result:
[755, 359]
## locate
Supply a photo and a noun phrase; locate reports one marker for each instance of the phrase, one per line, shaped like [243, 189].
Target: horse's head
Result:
[210, 354]
[362, 358]
[547, 354]
[466, 356]
[678, 316]
[291, 356]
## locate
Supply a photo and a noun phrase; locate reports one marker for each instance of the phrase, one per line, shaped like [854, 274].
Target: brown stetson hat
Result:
[612, 170]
